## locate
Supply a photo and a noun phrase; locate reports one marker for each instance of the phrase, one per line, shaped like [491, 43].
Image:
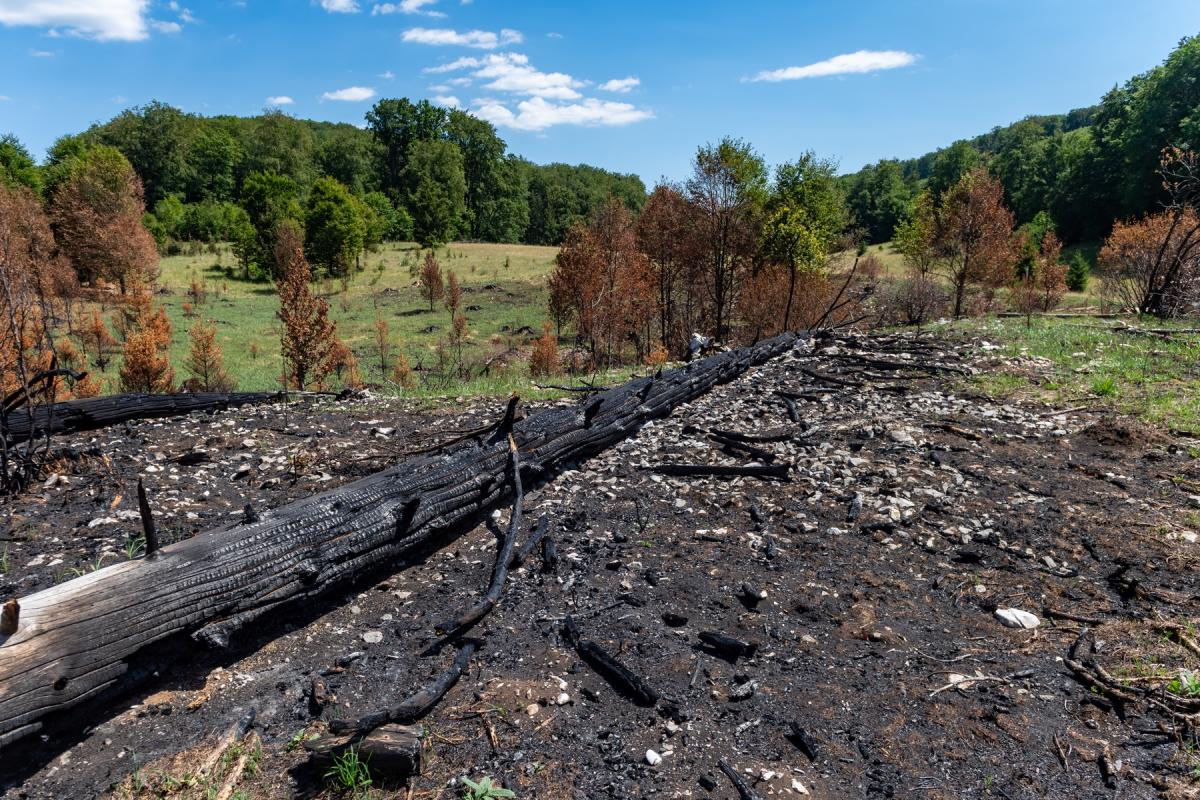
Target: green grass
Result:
[1091, 365]
[244, 312]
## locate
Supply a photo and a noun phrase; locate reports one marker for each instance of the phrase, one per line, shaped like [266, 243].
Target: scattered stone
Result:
[1016, 618]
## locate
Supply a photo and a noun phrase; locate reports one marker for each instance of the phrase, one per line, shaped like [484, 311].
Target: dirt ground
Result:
[914, 512]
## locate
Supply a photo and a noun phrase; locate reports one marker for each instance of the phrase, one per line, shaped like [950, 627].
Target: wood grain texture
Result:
[74, 640]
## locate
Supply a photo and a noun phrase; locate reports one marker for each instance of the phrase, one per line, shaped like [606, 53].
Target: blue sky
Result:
[631, 86]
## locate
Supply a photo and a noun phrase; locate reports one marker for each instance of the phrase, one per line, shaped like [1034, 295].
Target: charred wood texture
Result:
[101, 412]
[74, 641]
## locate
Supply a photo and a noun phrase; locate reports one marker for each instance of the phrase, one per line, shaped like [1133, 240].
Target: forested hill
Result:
[1084, 168]
[437, 174]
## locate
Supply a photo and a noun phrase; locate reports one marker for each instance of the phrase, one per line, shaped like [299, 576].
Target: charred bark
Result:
[75, 640]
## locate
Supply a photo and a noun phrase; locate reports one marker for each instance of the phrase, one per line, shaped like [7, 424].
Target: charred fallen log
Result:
[74, 641]
[101, 412]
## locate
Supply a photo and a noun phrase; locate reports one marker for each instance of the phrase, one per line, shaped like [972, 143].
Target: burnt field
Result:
[867, 593]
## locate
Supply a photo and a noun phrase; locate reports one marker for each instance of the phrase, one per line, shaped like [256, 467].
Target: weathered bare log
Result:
[75, 640]
[739, 783]
[101, 412]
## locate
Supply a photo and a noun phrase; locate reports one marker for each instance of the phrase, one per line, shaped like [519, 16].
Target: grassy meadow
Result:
[504, 290]
[1087, 362]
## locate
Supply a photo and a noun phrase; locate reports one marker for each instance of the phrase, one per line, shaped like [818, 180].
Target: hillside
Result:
[1085, 168]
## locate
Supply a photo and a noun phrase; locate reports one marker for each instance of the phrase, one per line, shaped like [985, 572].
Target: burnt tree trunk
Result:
[101, 412]
[74, 641]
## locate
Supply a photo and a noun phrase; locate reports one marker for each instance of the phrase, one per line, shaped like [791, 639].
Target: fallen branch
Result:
[621, 677]
[481, 609]
[743, 789]
[416, 705]
[779, 471]
[102, 412]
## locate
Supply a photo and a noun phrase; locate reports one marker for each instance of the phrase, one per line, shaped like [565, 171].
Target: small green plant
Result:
[483, 790]
[298, 740]
[79, 572]
[134, 547]
[1104, 387]
[349, 772]
[1186, 685]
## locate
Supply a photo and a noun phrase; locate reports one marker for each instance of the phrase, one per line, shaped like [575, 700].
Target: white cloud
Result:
[340, 6]
[847, 63]
[387, 75]
[351, 94]
[280, 100]
[105, 20]
[483, 40]
[407, 7]
[165, 27]
[553, 35]
[42, 53]
[453, 66]
[620, 85]
[447, 100]
[537, 113]
[511, 73]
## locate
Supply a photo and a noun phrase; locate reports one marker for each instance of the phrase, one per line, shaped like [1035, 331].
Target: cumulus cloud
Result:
[351, 94]
[620, 85]
[447, 100]
[165, 27]
[537, 113]
[512, 73]
[280, 100]
[407, 7]
[483, 40]
[847, 63]
[340, 6]
[105, 20]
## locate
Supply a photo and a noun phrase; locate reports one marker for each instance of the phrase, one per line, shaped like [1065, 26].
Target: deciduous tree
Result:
[97, 215]
[975, 235]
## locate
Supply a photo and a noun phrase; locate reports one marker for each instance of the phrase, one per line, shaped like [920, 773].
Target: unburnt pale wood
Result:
[74, 640]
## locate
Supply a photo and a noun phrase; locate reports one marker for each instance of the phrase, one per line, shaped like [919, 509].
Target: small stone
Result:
[372, 637]
[532, 709]
[1016, 618]
[653, 758]
[563, 699]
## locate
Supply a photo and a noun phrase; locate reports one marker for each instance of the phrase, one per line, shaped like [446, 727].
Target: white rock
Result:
[799, 787]
[563, 699]
[1016, 618]
[532, 709]
[372, 637]
[653, 758]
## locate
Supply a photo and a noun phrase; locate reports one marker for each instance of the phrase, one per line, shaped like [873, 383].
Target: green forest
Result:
[1085, 168]
[414, 172]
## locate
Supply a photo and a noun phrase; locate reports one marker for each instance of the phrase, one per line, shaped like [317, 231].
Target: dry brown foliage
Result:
[432, 285]
[308, 334]
[1152, 265]
[97, 217]
[975, 236]
[543, 359]
[607, 284]
[145, 367]
[205, 362]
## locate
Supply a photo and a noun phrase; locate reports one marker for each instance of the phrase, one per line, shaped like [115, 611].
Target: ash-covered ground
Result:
[916, 516]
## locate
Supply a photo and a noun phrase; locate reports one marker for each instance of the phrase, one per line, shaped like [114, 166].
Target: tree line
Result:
[416, 171]
[1085, 169]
